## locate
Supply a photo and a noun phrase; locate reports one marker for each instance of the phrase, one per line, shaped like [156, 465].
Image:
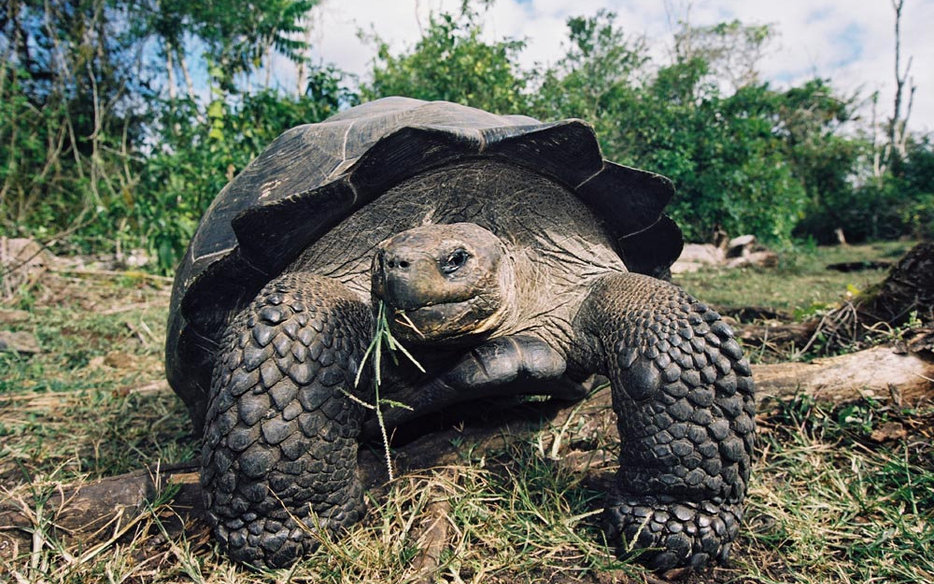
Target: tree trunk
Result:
[189, 84]
[170, 72]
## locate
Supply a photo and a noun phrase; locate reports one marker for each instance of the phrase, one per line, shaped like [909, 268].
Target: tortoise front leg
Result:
[683, 395]
[280, 442]
[506, 366]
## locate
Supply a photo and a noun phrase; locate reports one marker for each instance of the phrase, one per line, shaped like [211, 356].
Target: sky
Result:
[849, 41]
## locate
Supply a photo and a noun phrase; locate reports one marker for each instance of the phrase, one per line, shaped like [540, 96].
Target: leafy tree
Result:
[891, 181]
[452, 62]
[885, 208]
[732, 50]
[722, 152]
[90, 149]
[70, 90]
[811, 119]
[597, 80]
[917, 181]
[234, 35]
[194, 161]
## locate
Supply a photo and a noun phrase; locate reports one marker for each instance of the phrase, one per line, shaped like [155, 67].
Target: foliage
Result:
[887, 207]
[100, 149]
[452, 62]
[68, 120]
[722, 152]
[597, 80]
[232, 43]
[916, 183]
[92, 152]
[726, 161]
[194, 161]
[811, 122]
[732, 50]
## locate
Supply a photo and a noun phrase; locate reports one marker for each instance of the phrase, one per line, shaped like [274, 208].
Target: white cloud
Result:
[850, 42]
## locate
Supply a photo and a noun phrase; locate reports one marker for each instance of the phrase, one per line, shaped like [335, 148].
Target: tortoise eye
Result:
[455, 261]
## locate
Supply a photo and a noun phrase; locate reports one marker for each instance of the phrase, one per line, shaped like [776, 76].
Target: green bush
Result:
[888, 207]
[451, 62]
[200, 149]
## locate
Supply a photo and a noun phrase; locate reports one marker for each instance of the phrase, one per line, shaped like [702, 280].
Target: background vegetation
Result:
[121, 119]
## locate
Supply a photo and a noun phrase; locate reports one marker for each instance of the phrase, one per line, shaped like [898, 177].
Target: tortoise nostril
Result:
[394, 262]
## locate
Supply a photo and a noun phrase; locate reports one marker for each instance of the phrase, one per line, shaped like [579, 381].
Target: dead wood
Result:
[776, 334]
[733, 253]
[84, 511]
[748, 314]
[22, 263]
[19, 342]
[847, 267]
[908, 288]
[879, 373]
[432, 532]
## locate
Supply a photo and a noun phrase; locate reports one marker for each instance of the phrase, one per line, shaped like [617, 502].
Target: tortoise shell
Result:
[314, 176]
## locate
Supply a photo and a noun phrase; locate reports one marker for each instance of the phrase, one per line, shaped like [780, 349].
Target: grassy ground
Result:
[842, 495]
[800, 285]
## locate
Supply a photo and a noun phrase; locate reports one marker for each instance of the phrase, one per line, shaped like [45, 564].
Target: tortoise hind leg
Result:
[280, 442]
[683, 395]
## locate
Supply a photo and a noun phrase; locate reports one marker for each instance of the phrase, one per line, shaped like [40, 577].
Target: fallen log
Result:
[879, 373]
[90, 510]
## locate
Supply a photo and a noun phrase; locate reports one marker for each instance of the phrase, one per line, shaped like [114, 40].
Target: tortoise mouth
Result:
[448, 321]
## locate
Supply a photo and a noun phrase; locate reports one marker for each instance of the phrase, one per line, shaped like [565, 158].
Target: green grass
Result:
[801, 284]
[94, 402]
[827, 503]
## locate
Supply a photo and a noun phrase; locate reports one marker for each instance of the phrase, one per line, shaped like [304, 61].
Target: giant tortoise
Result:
[509, 258]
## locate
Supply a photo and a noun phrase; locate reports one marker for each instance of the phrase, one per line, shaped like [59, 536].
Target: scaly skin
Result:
[281, 435]
[280, 443]
[683, 395]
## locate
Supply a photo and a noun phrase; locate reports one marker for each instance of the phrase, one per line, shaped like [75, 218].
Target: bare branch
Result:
[898, 133]
[170, 72]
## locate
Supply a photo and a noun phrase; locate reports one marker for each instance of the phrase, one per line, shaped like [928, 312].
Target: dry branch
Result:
[81, 511]
[432, 538]
[878, 373]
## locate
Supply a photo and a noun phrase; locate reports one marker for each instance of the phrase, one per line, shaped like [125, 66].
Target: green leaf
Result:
[216, 109]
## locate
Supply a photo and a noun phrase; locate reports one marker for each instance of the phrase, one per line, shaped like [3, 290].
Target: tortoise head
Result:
[444, 282]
